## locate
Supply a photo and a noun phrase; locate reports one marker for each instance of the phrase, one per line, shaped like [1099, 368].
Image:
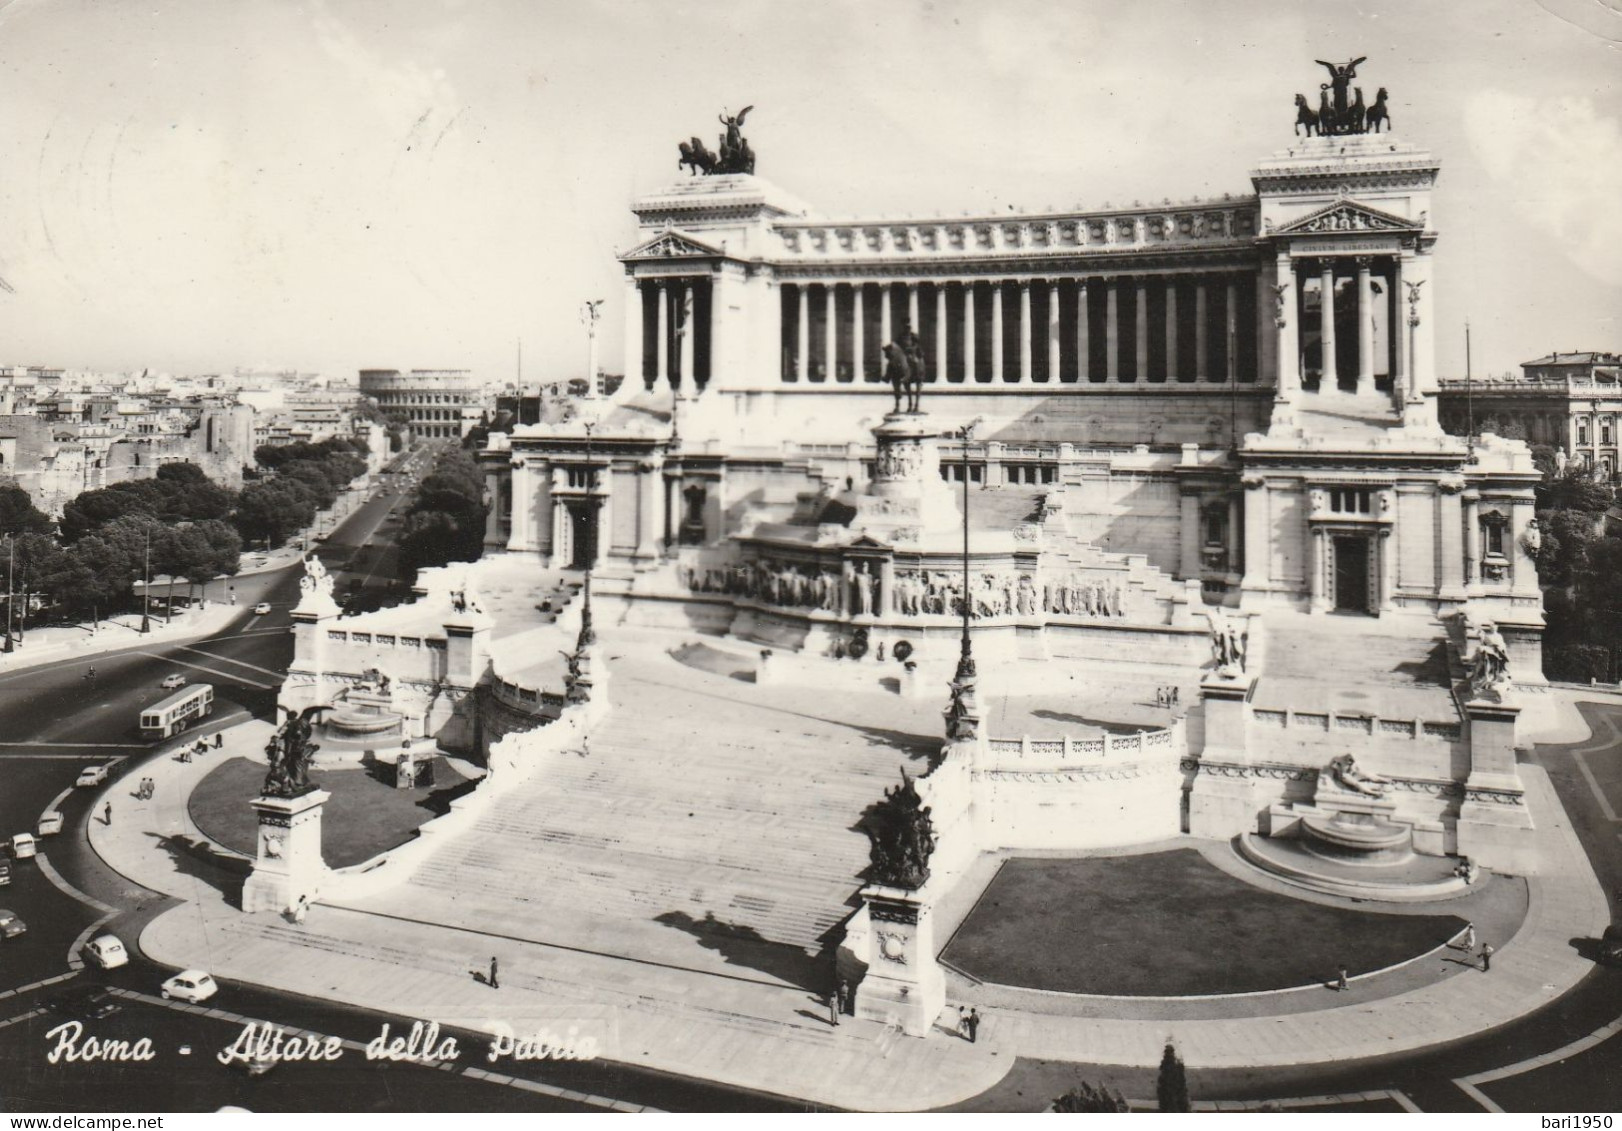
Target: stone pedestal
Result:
[1223, 800]
[907, 497]
[288, 866]
[1495, 826]
[904, 985]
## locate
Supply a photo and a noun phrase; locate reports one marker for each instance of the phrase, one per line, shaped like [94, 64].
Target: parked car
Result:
[87, 1003]
[23, 846]
[91, 775]
[107, 952]
[173, 679]
[11, 925]
[190, 985]
[261, 608]
[50, 823]
[5, 872]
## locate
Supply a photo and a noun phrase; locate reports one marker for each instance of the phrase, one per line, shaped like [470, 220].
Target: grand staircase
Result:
[700, 829]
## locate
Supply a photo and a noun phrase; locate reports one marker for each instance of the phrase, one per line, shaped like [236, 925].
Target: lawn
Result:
[1168, 924]
[364, 817]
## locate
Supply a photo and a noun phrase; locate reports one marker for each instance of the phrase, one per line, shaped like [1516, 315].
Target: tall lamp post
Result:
[586, 634]
[962, 713]
[11, 571]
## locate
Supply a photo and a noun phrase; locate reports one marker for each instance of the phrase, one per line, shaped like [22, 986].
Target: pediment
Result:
[1348, 216]
[673, 244]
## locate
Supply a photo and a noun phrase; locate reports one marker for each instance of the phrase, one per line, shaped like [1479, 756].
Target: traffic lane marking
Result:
[233, 660]
[1593, 785]
[260, 684]
[39, 985]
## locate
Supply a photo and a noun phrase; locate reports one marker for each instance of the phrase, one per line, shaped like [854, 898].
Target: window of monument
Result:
[1582, 431]
[1605, 431]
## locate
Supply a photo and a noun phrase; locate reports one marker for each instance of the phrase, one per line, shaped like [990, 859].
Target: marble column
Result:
[830, 333]
[661, 370]
[1171, 329]
[1053, 332]
[886, 335]
[1112, 332]
[968, 333]
[1327, 382]
[1385, 546]
[913, 322]
[858, 332]
[1365, 331]
[1190, 536]
[686, 336]
[996, 333]
[1024, 373]
[635, 377]
[1202, 343]
[1286, 313]
[1266, 333]
[1472, 536]
[802, 359]
[1258, 546]
[1318, 570]
[1452, 531]
[1141, 328]
[1398, 333]
[939, 371]
[1084, 344]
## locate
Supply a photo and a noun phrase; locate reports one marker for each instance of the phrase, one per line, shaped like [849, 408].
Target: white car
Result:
[50, 823]
[261, 608]
[91, 775]
[23, 846]
[190, 985]
[173, 679]
[107, 952]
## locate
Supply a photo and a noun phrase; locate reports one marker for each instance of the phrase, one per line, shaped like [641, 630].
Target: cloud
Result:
[1556, 160]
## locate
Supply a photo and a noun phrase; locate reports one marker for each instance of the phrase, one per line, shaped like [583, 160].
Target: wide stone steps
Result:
[642, 894]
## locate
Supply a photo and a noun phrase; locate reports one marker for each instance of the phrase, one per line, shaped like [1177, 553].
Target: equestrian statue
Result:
[735, 155]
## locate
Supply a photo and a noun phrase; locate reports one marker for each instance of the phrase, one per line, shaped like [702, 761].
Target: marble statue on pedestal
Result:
[1358, 780]
[902, 837]
[1489, 673]
[290, 752]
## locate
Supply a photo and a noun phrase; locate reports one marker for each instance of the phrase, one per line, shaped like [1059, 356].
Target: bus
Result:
[176, 713]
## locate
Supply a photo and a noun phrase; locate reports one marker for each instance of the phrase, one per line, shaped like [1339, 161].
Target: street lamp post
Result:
[11, 570]
[146, 583]
[590, 313]
[962, 713]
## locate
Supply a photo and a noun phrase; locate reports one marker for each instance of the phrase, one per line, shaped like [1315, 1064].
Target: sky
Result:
[193, 186]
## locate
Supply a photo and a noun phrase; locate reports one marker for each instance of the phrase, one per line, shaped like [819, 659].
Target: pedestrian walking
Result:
[844, 996]
[963, 1021]
[107, 814]
[1486, 958]
[1176, 696]
[833, 1010]
[1340, 978]
[219, 739]
[974, 1025]
[495, 983]
[1469, 936]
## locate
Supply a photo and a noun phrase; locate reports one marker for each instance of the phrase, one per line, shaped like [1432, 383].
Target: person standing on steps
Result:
[833, 1010]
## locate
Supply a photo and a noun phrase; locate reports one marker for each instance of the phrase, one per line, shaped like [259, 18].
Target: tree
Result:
[1085, 1097]
[1171, 1089]
[273, 510]
[19, 515]
[98, 575]
[91, 510]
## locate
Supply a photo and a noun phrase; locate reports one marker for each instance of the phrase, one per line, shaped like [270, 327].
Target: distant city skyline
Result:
[330, 187]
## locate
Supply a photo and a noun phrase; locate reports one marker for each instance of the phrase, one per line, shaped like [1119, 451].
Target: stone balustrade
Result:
[1193, 223]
